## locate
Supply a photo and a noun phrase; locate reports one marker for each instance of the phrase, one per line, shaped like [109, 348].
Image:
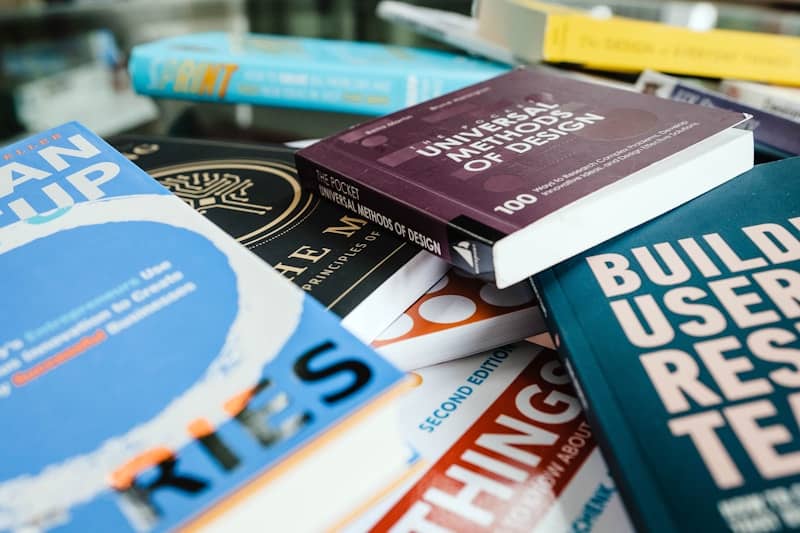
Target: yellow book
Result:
[537, 31]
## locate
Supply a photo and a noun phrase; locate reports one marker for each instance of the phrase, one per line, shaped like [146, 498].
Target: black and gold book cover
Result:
[252, 192]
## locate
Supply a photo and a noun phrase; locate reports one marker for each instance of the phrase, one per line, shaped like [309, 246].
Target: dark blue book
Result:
[774, 136]
[682, 336]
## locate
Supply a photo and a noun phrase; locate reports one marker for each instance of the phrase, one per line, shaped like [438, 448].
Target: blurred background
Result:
[66, 59]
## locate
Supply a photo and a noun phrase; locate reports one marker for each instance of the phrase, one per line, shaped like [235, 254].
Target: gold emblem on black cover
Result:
[251, 200]
[214, 190]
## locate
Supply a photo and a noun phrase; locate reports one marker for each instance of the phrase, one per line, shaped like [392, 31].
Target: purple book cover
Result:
[461, 171]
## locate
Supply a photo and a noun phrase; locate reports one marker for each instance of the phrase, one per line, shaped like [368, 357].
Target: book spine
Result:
[307, 85]
[409, 224]
[644, 503]
[322, 85]
[754, 96]
[630, 45]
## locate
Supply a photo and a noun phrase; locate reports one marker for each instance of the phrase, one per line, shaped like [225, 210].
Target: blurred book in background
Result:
[781, 101]
[275, 70]
[77, 78]
[774, 136]
[539, 31]
[461, 31]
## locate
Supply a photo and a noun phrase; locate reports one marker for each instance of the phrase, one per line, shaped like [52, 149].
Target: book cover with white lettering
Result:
[504, 446]
[156, 375]
[509, 176]
[682, 336]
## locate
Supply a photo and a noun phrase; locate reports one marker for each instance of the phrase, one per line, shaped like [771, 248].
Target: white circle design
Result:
[447, 309]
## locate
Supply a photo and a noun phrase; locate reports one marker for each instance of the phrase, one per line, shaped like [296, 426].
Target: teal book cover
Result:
[683, 338]
[152, 370]
[283, 71]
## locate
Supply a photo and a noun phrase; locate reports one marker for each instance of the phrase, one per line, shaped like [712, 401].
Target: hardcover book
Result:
[504, 446]
[460, 316]
[539, 31]
[356, 269]
[156, 375]
[517, 173]
[773, 135]
[683, 337]
[284, 71]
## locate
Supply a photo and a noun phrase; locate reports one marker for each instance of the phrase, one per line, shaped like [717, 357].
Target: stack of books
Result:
[218, 336]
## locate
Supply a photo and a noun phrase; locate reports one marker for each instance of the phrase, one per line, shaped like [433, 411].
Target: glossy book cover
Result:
[252, 192]
[504, 447]
[152, 368]
[683, 337]
[458, 173]
[459, 316]
[279, 70]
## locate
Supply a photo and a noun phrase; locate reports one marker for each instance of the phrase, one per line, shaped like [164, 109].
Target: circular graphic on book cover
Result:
[138, 312]
[117, 317]
[251, 200]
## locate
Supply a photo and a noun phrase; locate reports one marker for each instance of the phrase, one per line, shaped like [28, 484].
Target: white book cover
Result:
[504, 446]
[782, 101]
[460, 316]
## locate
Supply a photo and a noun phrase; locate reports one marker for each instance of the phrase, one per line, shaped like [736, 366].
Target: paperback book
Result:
[448, 27]
[461, 31]
[765, 17]
[510, 176]
[781, 101]
[773, 135]
[285, 71]
[539, 31]
[358, 270]
[504, 446]
[155, 375]
[682, 337]
[457, 317]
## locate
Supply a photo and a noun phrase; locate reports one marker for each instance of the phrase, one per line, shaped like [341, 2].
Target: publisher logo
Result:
[466, 251]
[251, 200]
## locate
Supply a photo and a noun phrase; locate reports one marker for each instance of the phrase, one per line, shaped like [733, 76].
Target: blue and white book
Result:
[283, 71]
[154, 374]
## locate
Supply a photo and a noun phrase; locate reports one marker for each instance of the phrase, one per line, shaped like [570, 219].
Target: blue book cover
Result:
[683, 337]
[283, 71]
[150, 366]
